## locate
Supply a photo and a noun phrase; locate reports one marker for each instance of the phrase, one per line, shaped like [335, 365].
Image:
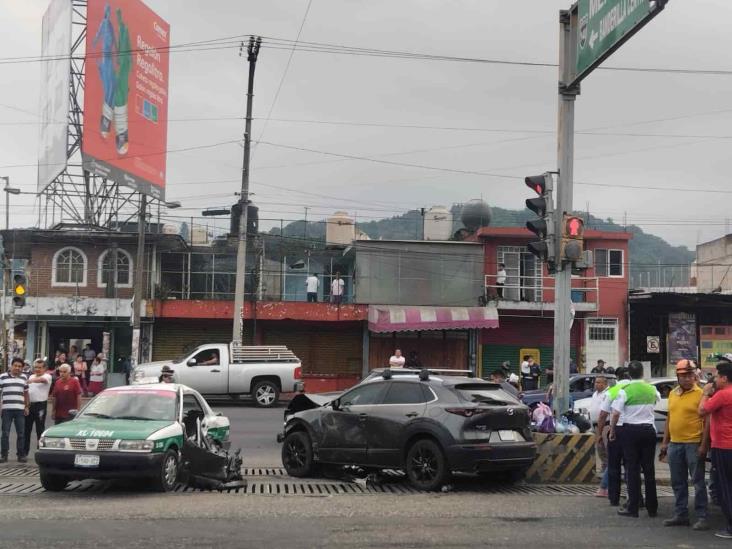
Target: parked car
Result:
[664, 385]
[427, 425]
[262, 372]
[129, 432]
[580, 386]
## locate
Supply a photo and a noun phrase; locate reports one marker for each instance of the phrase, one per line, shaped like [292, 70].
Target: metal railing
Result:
[533, 289]
[267, 285]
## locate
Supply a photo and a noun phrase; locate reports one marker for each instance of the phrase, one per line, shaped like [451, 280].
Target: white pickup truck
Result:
[262, 372]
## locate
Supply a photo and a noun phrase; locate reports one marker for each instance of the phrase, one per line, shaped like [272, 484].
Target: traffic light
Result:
[543, 207]
[20, 289]
[573, 232]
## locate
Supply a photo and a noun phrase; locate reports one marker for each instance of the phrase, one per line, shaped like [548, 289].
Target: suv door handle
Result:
[215, 371]
[412, 414]
[362, 417]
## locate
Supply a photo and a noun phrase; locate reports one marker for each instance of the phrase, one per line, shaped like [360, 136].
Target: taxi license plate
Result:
[84, 460]
[507, 435]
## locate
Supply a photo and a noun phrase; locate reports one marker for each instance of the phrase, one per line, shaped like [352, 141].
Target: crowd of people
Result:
[699, 423]
[28, 392]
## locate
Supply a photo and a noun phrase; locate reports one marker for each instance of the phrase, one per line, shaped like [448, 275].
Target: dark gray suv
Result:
[427, 425]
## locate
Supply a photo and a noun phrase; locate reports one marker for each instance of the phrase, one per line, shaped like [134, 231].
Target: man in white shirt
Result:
[598, 397]
[336, 289]
[39, 385]
[397, 360]
[500, 279]
[311, 287]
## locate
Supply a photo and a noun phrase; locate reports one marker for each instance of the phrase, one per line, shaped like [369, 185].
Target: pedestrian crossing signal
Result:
[20, 290]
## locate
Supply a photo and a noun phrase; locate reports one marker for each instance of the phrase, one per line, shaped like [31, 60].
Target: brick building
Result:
[77, 292]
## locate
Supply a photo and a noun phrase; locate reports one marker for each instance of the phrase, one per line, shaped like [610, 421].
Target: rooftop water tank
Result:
[476, 214]
[437, 223]
[340, 229]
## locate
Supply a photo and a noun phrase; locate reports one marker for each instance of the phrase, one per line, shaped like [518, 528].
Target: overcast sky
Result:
[516, 101]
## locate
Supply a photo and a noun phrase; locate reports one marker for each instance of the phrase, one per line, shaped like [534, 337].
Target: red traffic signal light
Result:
[574, 227]
[537, 183]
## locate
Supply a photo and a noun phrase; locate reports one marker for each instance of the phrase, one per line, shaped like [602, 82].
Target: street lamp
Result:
[172, 205]
[8, 191]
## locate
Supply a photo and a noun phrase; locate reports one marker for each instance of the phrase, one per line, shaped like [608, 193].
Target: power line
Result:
[284, 73]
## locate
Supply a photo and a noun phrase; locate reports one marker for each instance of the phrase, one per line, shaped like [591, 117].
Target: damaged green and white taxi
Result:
[160, 433]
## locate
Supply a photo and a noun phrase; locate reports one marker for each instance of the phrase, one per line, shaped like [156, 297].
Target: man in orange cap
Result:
[685, 444]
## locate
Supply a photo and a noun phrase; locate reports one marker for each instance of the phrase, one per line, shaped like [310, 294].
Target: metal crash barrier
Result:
[560, 458]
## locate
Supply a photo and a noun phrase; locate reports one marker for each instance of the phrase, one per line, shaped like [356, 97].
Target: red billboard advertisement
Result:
[126, 94]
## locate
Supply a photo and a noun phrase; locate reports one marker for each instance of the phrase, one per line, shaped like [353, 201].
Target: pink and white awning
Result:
[393, 318]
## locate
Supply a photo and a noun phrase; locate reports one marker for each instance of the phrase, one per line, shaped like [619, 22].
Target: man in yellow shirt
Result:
[685, 444]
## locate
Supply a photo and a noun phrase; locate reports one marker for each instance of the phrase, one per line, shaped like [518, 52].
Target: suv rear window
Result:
[478, 392]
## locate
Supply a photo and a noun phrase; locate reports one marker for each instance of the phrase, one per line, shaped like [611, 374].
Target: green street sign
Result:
[604, 25]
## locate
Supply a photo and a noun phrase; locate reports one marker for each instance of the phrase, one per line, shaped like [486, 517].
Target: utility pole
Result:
[139, 283]
[565, 151]
[241, 251]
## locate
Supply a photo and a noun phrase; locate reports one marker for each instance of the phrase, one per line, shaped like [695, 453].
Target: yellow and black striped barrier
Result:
[562, 458]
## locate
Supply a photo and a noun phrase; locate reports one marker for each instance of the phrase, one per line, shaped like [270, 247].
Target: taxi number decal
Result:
[93, 433]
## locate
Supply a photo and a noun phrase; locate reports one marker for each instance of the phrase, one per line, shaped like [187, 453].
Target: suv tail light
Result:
[298, 373]
[465, 412]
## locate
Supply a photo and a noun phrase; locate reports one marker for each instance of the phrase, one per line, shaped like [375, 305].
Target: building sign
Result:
[54, 106]
[126, 95]
[682, 341]
[653, 344]
[714, 341]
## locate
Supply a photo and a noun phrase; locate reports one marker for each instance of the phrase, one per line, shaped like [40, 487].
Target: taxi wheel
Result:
[266, 394]
[168, 474]
[53, 483]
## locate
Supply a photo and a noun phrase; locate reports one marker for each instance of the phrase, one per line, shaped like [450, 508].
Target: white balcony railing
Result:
[539, 290]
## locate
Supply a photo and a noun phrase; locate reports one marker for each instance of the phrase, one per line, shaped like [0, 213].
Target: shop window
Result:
[69, 267]
[106, 269]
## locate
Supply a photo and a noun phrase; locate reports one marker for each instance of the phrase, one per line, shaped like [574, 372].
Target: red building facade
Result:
[526, 307]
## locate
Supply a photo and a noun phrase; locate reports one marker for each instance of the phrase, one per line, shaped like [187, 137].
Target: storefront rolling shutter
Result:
[322, 349]
[172, 338]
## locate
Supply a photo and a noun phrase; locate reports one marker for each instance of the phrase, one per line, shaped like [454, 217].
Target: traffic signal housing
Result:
[20, 289]
[543, 227]
[573, 234]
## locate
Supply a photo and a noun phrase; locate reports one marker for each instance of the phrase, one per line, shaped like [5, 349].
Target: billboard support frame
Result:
[78, 196]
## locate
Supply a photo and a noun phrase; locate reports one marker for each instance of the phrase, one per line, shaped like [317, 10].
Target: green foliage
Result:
[646, 250]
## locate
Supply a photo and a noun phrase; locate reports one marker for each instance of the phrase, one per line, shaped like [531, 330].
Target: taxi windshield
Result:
[141, 405]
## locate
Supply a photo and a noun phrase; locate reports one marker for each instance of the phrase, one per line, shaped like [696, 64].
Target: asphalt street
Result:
[120, 518]
[452, 520]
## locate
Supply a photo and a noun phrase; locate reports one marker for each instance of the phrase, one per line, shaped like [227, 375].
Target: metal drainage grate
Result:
[19, 471]
[325, 489]
[263, 472]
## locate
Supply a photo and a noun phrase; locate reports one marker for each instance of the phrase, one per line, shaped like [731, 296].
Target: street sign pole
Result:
[565, 161]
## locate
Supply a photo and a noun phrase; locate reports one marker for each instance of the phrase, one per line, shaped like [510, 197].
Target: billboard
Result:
[54, 104]
[681, 337]
[126, 95]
